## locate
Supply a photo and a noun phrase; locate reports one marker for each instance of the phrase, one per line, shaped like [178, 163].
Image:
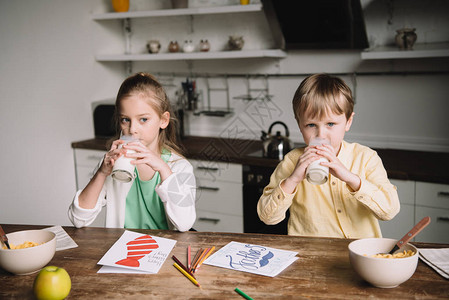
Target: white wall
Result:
[49, 78]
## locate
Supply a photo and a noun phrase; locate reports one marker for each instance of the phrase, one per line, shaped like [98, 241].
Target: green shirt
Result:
[144, 209]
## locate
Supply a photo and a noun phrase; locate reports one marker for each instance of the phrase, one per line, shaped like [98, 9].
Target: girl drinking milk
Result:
[161, 192]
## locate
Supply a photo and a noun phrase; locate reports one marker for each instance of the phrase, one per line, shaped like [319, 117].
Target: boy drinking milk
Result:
[357, 192]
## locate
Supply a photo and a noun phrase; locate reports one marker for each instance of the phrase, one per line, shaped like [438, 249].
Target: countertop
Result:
[323, 271]
[400, 164]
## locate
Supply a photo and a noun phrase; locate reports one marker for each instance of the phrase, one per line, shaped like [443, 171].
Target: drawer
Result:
[406, 191]
[213, 170]
[438, 229]
[219, 196]
[218, 222]
[432, 195]
[84, 157]
[400, 224]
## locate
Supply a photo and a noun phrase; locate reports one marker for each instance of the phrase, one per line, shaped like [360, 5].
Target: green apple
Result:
[52, 283]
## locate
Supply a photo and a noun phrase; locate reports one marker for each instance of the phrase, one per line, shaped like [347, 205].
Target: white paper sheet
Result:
[63, 240]
[136, 252]
[437, 259]
[108, 269]
[250, 258]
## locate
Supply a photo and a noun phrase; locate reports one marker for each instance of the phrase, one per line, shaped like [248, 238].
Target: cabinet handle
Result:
[443, 194]
[94, 157]
[207, 168]
[443, 219]
[209, 188]
[215, 221]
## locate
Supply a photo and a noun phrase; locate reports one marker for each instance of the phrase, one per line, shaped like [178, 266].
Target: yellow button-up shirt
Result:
[333, 209]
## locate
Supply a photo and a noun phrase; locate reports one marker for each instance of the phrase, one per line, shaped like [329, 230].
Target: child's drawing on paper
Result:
[138, 248]
[252, 258]
[138, 252]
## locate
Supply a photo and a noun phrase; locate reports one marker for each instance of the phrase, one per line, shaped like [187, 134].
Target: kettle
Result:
[276, 146]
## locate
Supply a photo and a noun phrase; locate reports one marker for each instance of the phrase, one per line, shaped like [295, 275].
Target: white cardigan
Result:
[177, 193]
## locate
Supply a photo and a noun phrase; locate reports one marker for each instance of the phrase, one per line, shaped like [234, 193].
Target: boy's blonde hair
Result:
[147, 84]
[319, 94]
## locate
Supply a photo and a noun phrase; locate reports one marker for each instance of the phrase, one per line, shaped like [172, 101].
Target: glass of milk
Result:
[316, 173]
[123, 170]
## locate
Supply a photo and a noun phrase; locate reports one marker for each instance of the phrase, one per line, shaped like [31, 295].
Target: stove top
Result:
[259, 153]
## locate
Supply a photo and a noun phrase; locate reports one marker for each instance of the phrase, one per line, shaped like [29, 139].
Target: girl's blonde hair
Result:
[319, 94]
[147, 84]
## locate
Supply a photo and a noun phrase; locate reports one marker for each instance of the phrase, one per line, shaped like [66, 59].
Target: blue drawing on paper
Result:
[266, 259]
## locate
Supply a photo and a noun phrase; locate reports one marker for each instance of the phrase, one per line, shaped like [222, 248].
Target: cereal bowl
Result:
[381, 272]
[28, 260]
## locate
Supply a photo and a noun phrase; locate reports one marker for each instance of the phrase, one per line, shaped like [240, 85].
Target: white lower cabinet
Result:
[85, 163]
[219, 196]
[418, 200]
[218, 222]
[433, 200]
[404, 220]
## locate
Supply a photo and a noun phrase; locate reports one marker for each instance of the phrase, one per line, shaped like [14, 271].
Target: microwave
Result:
[103, 117]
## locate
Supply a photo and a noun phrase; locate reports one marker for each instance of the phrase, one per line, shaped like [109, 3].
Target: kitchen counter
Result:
[400, 164]
[323, 271]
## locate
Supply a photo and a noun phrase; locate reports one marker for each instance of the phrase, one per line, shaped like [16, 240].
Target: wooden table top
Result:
[322, 271]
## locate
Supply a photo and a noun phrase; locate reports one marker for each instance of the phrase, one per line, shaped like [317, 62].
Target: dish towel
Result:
[438, 259]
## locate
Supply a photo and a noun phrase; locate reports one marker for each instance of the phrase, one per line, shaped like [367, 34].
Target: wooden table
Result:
[322, 271]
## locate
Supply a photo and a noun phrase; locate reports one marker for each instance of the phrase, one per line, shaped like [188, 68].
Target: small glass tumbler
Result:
[123, 170]
[316, 173]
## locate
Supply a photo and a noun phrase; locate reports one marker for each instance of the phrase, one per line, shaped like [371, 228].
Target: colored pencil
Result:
[243, 294]
[188, 257]
[209, 252]
[182, 266]
[198, 253]
[195, 265]
[193, 280]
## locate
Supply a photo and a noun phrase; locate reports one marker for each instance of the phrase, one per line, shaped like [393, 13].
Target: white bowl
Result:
[381, 272]
[28, 260]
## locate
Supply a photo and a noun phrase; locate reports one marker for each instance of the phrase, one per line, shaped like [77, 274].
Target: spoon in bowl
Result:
[3, 237]
[411, 234]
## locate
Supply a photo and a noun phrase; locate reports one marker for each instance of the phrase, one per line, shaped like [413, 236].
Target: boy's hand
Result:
[299, 173]
[336, 168]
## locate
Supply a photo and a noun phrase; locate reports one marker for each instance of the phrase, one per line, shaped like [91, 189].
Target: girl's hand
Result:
[111, 157]
[336, 168]
[147, 161]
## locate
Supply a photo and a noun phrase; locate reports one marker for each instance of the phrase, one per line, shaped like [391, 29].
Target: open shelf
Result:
[419, 51]
[179, 12]
[274, 53]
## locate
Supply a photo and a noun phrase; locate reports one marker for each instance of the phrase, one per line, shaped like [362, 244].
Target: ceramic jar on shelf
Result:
[204, 45]
[406, 38]
[236, 42]
[153, 46]
[120, 5]
[173, 47]
[188, 46]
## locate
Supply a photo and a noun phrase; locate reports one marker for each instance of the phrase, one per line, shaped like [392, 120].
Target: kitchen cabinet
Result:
[418, 200]
[433, 200]
[219, 196]
[85, 162]
[405, 219]
[168, 13]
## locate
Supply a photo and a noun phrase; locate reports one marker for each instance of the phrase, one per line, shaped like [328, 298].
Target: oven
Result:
[255, 178]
